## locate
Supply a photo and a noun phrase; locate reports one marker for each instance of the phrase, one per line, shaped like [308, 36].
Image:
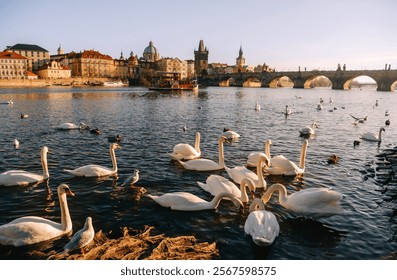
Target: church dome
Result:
[150, 49]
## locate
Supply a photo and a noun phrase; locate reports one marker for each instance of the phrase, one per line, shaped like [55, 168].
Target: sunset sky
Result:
[284, 34]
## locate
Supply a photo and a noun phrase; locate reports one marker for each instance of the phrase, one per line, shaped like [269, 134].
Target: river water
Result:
[150, 124]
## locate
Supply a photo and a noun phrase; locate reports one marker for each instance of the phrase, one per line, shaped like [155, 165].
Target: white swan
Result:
[185, 151]
[70, 126]
[280, 165]
[217, 184]
[370, 136]
[238, 173]
[16, 144]
[230, 134]
[24, 178]
[81, 238]
[287, 110]
[130, 181]
[185, 201]
[262, 225]
[93, 170]
[253, 157]
[32, 229]
[206, 164]
[257, 106]
[309, 130]
[308, 202]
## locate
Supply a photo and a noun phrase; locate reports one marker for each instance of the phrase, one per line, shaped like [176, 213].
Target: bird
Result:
[207, 164]
[309, 130]
[377, 103]
[356, 143]
[262, 225]
[387, 122]
[184, 128]
[114, 139]
[359, 120]
[321, 100]
[216, 184]
[387, 113]
[184, 151]
[230, 134]
[370, 136]
[184, 201]
[287, 110]
[253, 157]
[130, 181]
[81, 238]
[16, 144]
[24, 178]
[312, 202]
[33, 229]
[333, 159]
[319, 106]
[95, 131]
[257, 106]
[280, 165]
[24, 116]
[93, 170]
[238, 173]
[70, 126]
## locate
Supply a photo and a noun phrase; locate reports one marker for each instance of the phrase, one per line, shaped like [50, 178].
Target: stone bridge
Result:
[341, 79]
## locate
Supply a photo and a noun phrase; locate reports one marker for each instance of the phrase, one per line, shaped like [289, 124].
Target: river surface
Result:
[150, 124]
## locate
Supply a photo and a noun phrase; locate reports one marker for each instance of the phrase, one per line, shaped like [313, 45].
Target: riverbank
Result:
[78, 81]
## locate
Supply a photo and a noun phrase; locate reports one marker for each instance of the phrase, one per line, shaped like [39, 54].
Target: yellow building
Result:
[172, 65]
[91, 64]
[54, 70]
[13, 66]
[37, 56]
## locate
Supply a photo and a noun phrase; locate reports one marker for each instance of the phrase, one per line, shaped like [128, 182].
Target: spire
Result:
[240, 53]
[201, 46]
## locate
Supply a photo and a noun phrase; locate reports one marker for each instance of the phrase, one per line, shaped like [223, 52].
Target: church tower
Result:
[240, 60]
[200, 58]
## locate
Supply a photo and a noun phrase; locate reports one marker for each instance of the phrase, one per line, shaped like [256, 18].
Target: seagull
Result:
[130, 181]
[360, 120]
[81, 238]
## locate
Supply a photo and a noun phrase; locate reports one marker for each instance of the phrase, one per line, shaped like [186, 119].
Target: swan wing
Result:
[67, 126]
[280, 165]
[182, 201]
[238, 173]
[253, 158]
[217, 184]
[262, 226]
[19, 178]
[370, 136]
[91, 170]
[200, 165]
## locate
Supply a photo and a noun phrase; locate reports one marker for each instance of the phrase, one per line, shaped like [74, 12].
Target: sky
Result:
[284, 34]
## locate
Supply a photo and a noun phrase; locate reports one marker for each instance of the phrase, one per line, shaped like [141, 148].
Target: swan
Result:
[217, 184]
[184, 201]
[280, 165]
[81, 238]
[257, 106]
[238, 173]
[32, 229]
[262, 225]
[93, 170]
[16, 144]
[370, 136]
[132, 179]
[206, 164]
[71, 126]
[253, 157]
[287, 110]
[24, 178]
[230, 135]
[309, 130]
[185, 151]
[308, 202]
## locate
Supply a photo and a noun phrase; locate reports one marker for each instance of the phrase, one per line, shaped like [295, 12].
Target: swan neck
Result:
[214, 203]
[267, 149]
[282, 193]
[197, 143]
[259, 173]
[114, 161]
[303, 156]
[243, 190]
[380, 135]
[221, 155]
[44, 165]
[66, 221]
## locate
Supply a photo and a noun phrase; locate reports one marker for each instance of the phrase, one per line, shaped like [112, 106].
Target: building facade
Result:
[13, 66]
[240, 61]
[201, 59]
[54, 70]
[90, 63]
[172, 65]
[37, 56]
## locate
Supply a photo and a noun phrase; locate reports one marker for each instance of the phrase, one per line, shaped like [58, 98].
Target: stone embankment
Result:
[52, 82]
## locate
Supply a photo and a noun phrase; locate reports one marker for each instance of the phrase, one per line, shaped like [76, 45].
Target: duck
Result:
[311, 202]
[377, 103]
[33, 229]
[356, 143]
[253, 157]
[130, 181]
[309, 130]
[217, 184]
[114, 139]
[93, 170]
[207, 164]
[319, 106]
[280, 165]
[387, 122]
[95, 131]
[238, 173]
[81, 238]
[184, 151]
[24, 116]
[262, 225]
[333, 159]
[25, 178]
[230, 134]
[184, 201]
[370, 136]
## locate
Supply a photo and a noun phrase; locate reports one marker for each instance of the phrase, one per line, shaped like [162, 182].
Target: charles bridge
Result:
[339, 78]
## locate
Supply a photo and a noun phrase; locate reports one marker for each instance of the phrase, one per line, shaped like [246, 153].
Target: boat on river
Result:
[113, 84]
[172, 81]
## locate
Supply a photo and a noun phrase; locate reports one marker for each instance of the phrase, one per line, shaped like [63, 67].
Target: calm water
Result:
[151, 123]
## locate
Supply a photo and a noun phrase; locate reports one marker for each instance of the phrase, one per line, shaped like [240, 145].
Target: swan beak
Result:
[69, 192]
[252, 194]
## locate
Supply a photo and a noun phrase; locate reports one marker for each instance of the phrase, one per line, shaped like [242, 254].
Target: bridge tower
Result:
[201, 59]
[240, 60]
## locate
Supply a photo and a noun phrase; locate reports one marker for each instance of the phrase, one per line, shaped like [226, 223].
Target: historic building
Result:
[240, 61]
[120, 67]
[90, 63]
[37, 56]
[13, 66]
[172, 65]
[201, 59]
[54, 70]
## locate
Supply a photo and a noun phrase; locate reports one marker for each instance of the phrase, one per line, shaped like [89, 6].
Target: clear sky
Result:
[284, 34]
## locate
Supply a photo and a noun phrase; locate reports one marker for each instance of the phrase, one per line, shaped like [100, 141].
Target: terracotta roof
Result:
[90, 54]
[31, 74]
[26, 47]
[12, 55]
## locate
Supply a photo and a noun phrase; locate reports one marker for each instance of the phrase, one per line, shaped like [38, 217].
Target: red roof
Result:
[12, 55]
[90, 54]
[31, 74]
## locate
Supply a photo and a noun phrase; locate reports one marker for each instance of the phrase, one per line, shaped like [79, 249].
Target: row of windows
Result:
[32, 53]
[11, 73]
[20, 61]
[12, 66]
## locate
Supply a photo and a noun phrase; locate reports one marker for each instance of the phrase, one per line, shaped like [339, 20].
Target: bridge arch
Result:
[317, 81]
[227, 82]
[252, 82]
[281, 81]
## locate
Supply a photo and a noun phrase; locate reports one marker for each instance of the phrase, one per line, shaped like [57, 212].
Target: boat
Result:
[113, 84]
[171, 81]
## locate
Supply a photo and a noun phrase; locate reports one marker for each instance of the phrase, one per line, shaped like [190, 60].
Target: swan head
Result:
[265, 159]
[247, 182]
[268, 142]
[382, 129]
[223, 139]
[114, 146]
[44, 150]
[64, 189]
[257, 204]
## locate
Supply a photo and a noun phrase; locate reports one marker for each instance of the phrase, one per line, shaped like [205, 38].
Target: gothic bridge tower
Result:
[200, 59]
